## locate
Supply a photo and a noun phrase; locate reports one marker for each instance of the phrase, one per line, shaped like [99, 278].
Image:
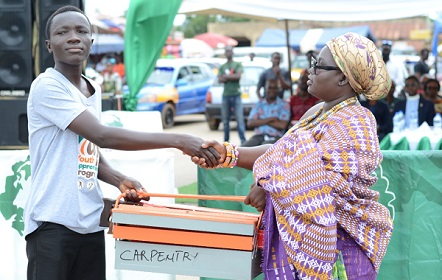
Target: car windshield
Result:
[300, 62]
[161, 76]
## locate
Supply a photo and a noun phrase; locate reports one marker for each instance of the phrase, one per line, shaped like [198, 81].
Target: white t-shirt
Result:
[398, 73]
[64, 166]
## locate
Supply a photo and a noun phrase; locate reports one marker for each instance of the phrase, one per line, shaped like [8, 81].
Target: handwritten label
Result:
[158, 256]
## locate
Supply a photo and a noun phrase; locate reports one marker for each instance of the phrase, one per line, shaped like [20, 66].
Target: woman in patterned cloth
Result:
[321, 219]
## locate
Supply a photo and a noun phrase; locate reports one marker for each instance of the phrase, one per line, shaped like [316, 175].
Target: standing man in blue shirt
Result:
[281, 76]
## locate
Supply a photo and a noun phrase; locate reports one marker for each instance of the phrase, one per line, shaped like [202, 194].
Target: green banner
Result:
[147, 27]
[410, 186]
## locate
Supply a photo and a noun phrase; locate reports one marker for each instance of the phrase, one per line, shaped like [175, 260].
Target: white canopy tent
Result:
[314, 10]
[317, 10]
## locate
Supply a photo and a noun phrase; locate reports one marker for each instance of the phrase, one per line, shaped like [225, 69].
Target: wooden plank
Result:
[183, 237]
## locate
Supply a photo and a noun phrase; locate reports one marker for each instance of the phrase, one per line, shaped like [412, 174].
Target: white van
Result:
[261, 53]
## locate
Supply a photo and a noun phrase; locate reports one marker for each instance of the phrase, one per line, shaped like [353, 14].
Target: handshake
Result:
[215, 155]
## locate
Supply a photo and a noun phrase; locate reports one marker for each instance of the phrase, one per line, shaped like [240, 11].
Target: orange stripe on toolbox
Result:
[238, 217]
[183, 237]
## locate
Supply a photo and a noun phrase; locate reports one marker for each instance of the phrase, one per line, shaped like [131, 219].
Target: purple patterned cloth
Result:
[318, 180]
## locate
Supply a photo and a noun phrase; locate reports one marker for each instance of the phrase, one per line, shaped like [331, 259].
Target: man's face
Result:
[386, 50]
[425, 55]
[272, 91]
[276, 59]
[411, 86]
[70, 38]
[228, 53]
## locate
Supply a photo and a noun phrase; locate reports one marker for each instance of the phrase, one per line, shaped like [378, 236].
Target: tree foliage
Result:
[197, 24]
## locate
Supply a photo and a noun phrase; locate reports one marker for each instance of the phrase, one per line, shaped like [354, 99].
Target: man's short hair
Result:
[425, 50]
[61, 10]
[412, 78]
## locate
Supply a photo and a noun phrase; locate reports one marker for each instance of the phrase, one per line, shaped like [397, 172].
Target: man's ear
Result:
[343, 81]
[48, 46]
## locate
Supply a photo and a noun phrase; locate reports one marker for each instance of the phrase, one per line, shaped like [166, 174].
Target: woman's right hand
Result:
[210, 145]
[257, 197]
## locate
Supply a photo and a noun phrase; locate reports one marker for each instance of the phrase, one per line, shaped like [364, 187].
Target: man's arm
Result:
[88, 126]
[284, 77]
[236, 76]
[279, 124]
[252, 123]
[115, 178]
[260, 85]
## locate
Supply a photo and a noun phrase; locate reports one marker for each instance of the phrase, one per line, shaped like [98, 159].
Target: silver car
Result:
[249, 79]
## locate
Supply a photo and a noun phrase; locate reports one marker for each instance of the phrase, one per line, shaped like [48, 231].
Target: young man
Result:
[62, 213]
[421, 67]
[229, 74]
[415, 106]
[274, 73]
[396, 69]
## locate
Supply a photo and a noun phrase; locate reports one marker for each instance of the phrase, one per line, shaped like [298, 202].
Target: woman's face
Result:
[432, 90]
[324, 84]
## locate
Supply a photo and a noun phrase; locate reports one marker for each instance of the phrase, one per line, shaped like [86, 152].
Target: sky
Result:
[115, 8]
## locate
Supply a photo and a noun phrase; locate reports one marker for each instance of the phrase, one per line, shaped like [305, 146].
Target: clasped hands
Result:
[257, 195]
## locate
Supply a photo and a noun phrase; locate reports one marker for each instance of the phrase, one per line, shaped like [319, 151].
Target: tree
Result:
[197, 24]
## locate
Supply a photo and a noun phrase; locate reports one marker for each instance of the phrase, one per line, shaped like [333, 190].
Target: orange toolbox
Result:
[187, 240]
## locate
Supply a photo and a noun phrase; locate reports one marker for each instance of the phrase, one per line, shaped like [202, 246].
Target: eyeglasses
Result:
[314, 65]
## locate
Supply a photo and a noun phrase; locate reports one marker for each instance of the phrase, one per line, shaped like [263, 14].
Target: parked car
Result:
[175, 87]
[249, 79]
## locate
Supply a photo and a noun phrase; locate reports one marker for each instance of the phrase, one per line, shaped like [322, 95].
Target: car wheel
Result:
[213, 124]
[168, 115]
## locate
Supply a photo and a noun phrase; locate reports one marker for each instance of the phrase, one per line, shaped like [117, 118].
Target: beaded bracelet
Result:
[232, 155]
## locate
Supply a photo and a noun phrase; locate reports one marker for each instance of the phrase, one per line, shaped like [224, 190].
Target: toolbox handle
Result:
[188, 196]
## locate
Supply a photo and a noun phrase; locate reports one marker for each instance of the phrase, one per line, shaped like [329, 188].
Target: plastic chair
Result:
[439, 145]
[424, 144]
[385, 143]
[401, 145]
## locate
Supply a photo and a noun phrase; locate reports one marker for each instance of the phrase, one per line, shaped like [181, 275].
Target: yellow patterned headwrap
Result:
[361, 62]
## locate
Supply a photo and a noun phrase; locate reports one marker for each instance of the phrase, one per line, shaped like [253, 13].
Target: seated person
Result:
[381, 112]
[302, 101]
[269, 117]
[415, 104]
[390, 99]
[431, 92]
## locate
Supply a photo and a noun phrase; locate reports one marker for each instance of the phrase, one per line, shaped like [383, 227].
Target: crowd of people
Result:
[109, 73]
[416, 96]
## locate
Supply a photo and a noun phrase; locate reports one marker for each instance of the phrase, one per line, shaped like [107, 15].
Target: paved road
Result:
[185, 170]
